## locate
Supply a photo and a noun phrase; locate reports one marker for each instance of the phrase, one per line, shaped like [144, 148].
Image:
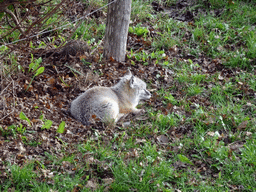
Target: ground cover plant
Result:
[198, 133]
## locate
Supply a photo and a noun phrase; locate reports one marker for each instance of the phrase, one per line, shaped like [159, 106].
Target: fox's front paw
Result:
[138, 111]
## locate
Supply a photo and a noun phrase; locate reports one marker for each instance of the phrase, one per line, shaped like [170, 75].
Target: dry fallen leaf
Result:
[242, 125]
[162, 139]
[107, 181]
[213, 134]
[210, 120]
[91, 184]
[134, 153]
[230, 2]
[248, 133]
[235, 146]
[140, 141]
[21, 148]
[221, 78]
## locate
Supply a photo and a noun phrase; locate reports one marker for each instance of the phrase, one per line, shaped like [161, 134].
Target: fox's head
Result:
[135, 87]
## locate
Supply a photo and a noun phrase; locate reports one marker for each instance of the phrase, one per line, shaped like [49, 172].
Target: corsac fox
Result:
[109, 104]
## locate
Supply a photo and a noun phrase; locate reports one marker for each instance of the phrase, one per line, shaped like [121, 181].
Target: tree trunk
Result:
[117, 29]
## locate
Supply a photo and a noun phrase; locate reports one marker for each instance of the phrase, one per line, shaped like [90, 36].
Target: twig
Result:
[7, 115]
[14, 19]
[5, 88]
[58, 27]
[46, 16]
[13, 96]
[97, 46]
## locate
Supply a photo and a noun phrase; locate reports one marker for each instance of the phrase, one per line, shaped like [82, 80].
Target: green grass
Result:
[208, 122]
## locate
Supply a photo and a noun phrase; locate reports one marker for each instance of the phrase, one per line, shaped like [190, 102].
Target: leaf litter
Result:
[68, 73]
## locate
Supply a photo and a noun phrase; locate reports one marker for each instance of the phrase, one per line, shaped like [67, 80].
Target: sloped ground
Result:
[66, 75]
[50, 97]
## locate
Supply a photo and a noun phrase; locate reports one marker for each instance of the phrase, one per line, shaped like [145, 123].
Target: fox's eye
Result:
[147, 92]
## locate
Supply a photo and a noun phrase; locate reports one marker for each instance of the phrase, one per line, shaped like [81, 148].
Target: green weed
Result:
[209, 121]
[34, 65]
[139, 31]
[22, 177]
[141, 174]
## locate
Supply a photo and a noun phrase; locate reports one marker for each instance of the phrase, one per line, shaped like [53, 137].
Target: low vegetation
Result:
[199, 130]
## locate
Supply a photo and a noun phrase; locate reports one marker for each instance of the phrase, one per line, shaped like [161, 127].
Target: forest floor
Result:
[199, 129]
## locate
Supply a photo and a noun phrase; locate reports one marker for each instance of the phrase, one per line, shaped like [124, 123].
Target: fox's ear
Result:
[132, 81]
[128, 72]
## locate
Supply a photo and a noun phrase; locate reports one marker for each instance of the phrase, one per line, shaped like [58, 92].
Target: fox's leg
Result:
[119, 116]
[108, 111]
[138, 111]
[112, 115]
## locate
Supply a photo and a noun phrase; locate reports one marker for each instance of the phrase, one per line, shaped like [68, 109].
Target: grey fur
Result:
[109, 104]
